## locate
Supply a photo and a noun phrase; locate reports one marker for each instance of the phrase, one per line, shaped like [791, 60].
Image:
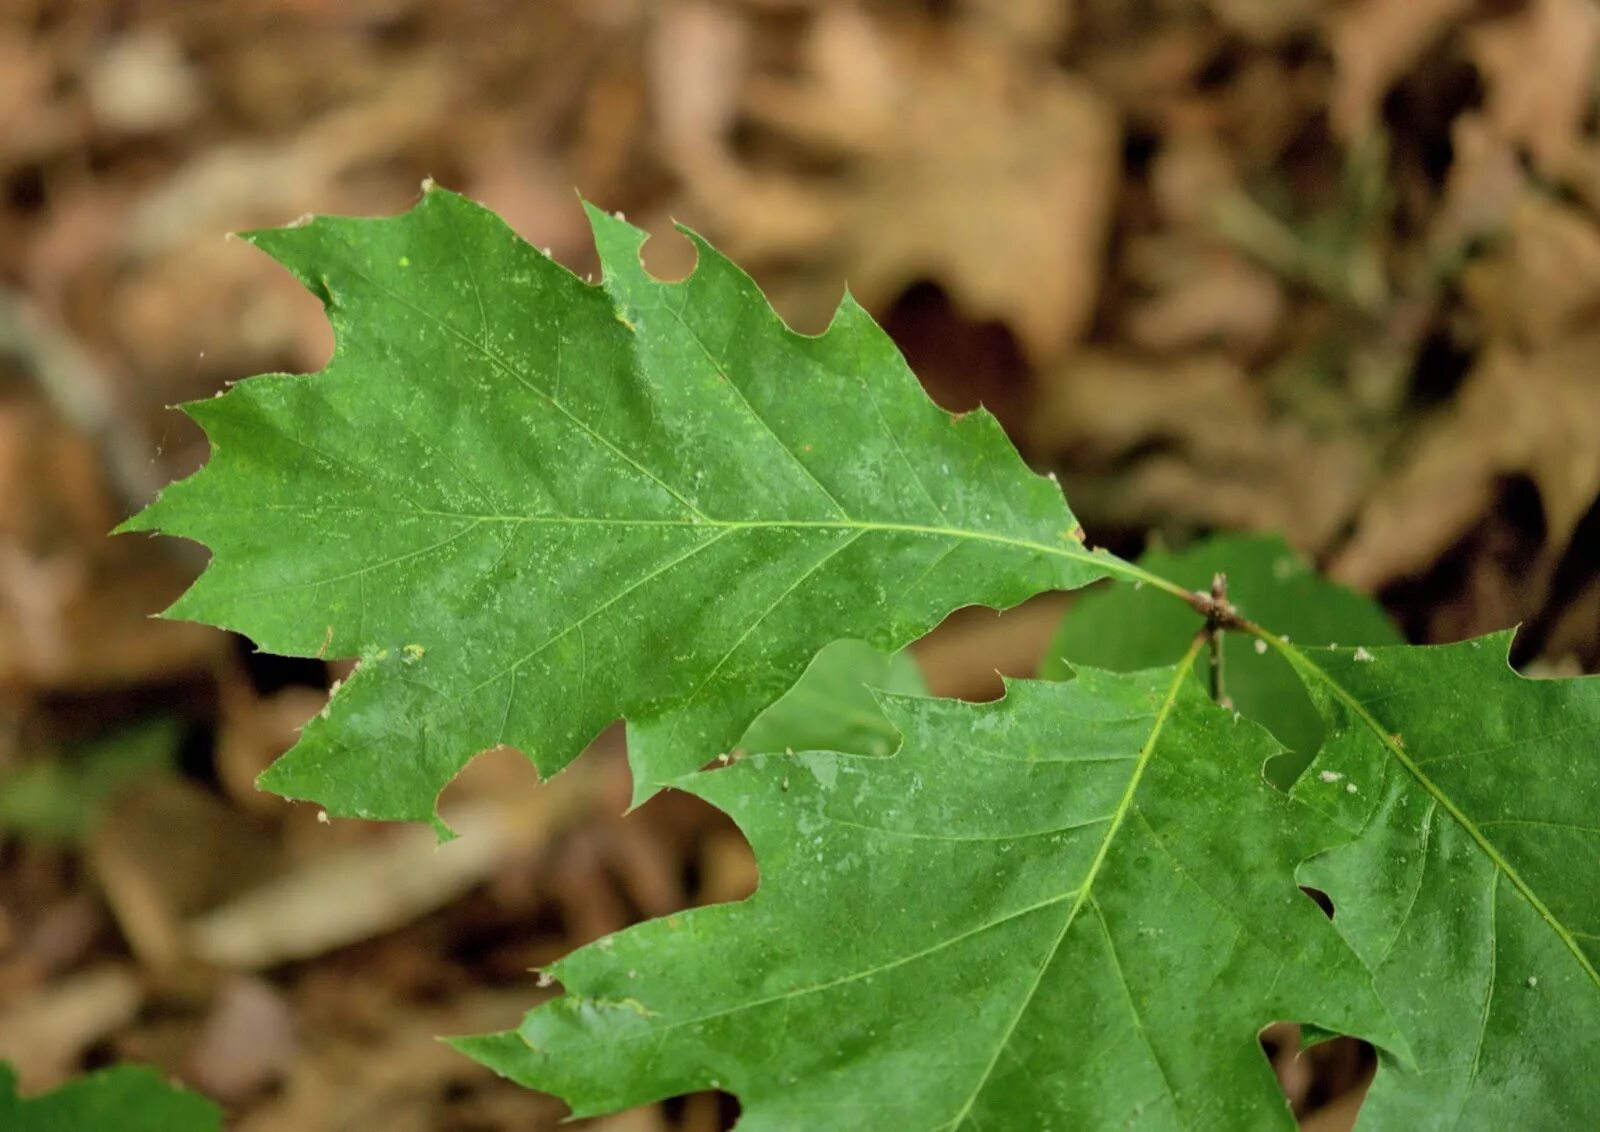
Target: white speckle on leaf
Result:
[1330, 776]
[1361, 654]
[1533, 981]
[545, 979]
[1261, 647]
[1350, 788]
[605, 943]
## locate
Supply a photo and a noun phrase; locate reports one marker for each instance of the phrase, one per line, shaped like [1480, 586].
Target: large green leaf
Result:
[532, 506]
[1471, 797]
[1126, 628]
[1073, 908]
[124, 1098]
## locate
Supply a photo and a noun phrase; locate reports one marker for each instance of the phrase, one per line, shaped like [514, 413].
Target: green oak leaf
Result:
[531, 506]
[1072, 908]
[1471, 798]
[1124, 628]
[124, 1098]
[833, 707]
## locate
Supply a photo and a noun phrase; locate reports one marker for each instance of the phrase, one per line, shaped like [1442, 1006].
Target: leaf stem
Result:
[1213, 633]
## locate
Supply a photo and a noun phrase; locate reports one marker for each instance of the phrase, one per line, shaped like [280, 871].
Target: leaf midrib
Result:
[1100, 559]
[1119, 815]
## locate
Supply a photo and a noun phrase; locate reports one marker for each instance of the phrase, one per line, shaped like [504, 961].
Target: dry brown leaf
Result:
[1266, 21]
[398, 1076]
[696, 60]
[1541, 281]
[1530, 414]
[1484, 184]
[1194, 443]
[1538, 69]
[1374, 43]
[247, 1042]
[1040, 25]
[999, 186]
[74, 605]
[164, 850]
[252, 731]
[965, 164]
[1201, 297]
[356, 891]
[44, 1035]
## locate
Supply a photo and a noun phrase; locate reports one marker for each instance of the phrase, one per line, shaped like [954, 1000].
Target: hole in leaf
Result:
[668, 255]
[714, 1109]
[1318, 1070]
[1320, 899]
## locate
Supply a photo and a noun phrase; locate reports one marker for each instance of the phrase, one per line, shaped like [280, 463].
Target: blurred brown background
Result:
[1330, 269]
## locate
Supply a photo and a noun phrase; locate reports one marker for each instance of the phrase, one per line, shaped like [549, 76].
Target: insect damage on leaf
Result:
[662, 516]
[933, 917]
[1468, 871]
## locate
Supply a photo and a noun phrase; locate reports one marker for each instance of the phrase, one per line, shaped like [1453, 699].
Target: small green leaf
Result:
[1125, 629]
[1073, 908]
[531, 506]
[124, 1098]
[1470, 798]
[833, 707]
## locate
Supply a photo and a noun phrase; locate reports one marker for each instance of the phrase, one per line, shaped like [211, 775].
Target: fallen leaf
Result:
[1540, 282]
[1538, 68]
[1518, 413]
[1190, 442]
[963, 163]
[1374, 42]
